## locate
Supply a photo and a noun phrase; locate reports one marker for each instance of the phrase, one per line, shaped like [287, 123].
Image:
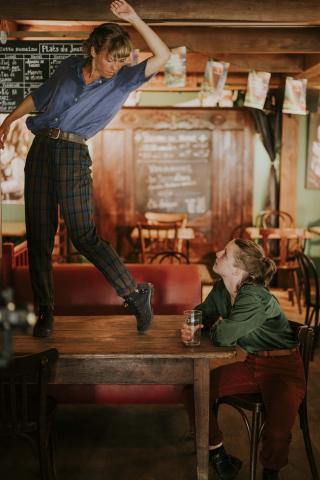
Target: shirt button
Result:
[76, 99]
[100, 81]
[56, 119]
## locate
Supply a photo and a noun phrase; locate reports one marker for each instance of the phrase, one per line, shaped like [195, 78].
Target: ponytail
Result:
[251, 258]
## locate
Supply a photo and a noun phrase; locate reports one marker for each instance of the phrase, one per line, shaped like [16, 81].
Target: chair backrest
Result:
[304, 335]
[159, 218]
[310, 281]
[291, 240]
[156, 238]
[23, 388]
[274, 218]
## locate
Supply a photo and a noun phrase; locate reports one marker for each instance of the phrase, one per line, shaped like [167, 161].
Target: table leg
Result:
[201, 402]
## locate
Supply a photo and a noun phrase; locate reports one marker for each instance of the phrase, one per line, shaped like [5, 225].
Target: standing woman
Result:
[241, 311]
[80, 99]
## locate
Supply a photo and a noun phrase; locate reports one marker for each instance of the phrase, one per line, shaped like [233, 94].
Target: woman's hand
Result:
[122, 10]
[187, 332]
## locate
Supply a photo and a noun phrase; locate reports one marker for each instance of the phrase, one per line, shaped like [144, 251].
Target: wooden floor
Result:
[149, 442]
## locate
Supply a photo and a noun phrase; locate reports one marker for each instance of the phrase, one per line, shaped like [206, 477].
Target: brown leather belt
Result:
[58, 134]
[277, 353]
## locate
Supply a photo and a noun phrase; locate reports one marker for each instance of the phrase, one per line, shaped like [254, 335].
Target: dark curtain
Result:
[268, 125]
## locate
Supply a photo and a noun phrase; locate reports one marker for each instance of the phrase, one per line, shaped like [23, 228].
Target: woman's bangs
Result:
[120, 47]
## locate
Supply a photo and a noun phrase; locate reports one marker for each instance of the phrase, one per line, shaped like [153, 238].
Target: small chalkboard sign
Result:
[173, 170]
[25, 65]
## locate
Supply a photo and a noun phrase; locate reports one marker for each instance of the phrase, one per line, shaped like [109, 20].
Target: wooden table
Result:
[292, 233]
[315, 230]
[102, 350]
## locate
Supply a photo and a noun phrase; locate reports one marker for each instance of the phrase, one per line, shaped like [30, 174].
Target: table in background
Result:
[315, 230]
[94, 350]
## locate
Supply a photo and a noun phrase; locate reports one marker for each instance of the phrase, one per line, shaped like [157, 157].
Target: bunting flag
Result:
[295, 96]
[133, 99]
[175, 69]
[135, 56]
[215, 76]
[257, 89]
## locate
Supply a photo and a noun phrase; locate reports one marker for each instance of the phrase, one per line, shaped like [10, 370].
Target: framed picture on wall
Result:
[12, 161]
[313, 157]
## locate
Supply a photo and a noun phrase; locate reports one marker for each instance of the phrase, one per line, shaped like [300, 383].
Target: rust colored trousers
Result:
[281, 382]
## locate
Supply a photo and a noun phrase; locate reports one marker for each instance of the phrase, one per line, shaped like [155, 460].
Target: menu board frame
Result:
[173, 170]
[25, 65]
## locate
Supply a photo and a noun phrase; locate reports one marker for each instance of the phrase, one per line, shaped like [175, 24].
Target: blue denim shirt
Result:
[66, 102]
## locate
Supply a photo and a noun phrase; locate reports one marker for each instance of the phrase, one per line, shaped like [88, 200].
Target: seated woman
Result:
[241, 311]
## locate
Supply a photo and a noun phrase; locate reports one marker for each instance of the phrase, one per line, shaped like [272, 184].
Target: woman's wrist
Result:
[135, 19]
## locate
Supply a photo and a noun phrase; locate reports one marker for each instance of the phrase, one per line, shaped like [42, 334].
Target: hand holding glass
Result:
[193, 321]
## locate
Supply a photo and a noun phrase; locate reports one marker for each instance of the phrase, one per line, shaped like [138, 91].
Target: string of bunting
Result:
[212, 90]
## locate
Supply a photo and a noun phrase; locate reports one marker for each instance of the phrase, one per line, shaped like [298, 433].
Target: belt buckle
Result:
[51, 134]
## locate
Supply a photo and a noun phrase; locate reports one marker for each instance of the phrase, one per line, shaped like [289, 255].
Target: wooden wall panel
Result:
[109, 181]
[231, 168]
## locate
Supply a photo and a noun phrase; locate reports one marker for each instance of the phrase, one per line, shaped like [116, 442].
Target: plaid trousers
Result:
[57, 172]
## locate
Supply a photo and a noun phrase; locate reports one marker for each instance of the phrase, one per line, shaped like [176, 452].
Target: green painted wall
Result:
[308, 200]
[13, 213]
[261, 174]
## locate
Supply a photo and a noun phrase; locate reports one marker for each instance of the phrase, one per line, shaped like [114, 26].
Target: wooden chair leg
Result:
[254, 443]
[296, 289]
[304, 424]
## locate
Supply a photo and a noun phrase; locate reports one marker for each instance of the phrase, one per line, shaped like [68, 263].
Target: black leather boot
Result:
[270, 474]
[226, 466]
[139, 303]
[44, 325]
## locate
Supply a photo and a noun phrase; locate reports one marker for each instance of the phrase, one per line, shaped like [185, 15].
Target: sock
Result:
[216, 449]
[213, 447]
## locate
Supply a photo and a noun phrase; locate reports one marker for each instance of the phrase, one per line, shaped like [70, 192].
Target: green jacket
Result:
[255, 321]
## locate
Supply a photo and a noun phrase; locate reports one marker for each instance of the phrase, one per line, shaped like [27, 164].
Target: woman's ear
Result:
[93, 52]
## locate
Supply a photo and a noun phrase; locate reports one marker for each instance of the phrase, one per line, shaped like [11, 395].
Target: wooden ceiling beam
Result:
[213, 41]
[311, 70]
[194, 81]
[273, 11]
[245, 63]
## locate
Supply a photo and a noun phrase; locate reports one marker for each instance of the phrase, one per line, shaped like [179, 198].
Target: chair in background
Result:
[159, 242]
[158, 218]
[25, 408]
[311, 287]
[289, 242]
[254, 404]
[274, 218]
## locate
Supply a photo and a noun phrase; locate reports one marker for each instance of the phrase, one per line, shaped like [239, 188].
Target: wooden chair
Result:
[159, 218]
[254, 404]
[311, 287]
[160, 242]
[289, 242]
[25, 408]
[274, 218]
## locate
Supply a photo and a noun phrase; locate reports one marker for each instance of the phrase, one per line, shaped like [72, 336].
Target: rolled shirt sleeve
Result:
[42, 95]
[247, 314]
[135, 75]
[209, 307]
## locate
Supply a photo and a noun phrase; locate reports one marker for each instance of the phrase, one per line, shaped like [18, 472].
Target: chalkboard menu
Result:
[173, 170]
[24, 66]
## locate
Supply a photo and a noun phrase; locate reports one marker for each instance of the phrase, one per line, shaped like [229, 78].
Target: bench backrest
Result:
[81, 289]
